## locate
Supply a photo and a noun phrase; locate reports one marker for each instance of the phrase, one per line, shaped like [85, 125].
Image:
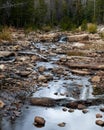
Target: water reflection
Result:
[53, 116]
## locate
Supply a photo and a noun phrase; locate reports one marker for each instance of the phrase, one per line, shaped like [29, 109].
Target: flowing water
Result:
[64, 85]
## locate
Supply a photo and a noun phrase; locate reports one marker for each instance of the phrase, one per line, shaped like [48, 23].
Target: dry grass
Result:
[76, 53]
[102, 35]
[5, 34]
[98, 46]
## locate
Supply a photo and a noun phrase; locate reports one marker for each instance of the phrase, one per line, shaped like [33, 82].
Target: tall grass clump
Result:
[92, 28]
[5, 34]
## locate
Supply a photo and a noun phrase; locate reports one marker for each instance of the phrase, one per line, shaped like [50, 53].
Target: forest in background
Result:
[66, 14]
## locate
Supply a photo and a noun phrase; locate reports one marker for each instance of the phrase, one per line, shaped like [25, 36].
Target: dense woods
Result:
[64, 13]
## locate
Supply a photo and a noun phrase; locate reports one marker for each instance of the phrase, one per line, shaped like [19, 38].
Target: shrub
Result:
[84, 25]
[92, 28]
[27, 30]
[66, 24]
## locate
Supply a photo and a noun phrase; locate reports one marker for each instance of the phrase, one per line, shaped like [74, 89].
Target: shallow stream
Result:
[63, 85]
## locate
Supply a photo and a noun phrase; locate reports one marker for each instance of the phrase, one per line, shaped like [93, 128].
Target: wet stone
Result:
[72, 105]
[64, 109]
[100, 122]
[84, 111]
[71, 110]
[98, 115]
[39, 121]
[102, 109]
[56, 93]
[62, 124]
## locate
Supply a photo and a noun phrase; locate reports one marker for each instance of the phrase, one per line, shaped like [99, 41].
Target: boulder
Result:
[49, 37]
[39, 121]
[6, 54]
[100, 122]
[95, 79]
[41, 78]
[77, 38]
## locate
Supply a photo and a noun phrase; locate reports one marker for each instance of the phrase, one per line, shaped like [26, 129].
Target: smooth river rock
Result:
[98, 115]
[39, 121]
[100, 122]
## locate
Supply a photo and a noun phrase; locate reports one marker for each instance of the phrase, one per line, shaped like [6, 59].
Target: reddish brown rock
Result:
[39, 121]
[100, 122]
[81, 106]
[72, 105]
[98, 115]
[62, 124]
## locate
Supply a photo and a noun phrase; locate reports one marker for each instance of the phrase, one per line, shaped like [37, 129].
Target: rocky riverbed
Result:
[61, 66]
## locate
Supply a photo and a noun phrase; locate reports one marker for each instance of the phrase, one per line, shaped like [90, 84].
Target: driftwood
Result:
[81, 72]
[32, 53]
[50, 102]
[86, 66]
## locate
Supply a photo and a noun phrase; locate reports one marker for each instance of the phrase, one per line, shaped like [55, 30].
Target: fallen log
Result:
[81, 72]
[48, 102]
[86, 66]
[51, 102]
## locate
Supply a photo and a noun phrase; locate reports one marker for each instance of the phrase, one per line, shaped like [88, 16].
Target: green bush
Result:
[92, 28]
[46, 28]
[84, 25]
[66, 24]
